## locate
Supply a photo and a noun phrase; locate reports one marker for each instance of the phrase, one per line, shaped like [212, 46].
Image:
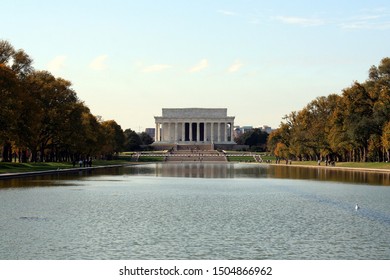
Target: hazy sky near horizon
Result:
[260, 59]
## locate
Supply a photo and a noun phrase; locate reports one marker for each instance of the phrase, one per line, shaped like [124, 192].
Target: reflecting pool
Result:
[197, 211]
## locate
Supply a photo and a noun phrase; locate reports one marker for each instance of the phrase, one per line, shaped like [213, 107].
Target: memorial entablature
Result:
[194, 126]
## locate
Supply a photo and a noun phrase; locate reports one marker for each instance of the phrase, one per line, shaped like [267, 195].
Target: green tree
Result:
[386, 139]
[42, 114]
[358, 118]
[350, 126]
[146, 139]
[9, 87]
[132, 140]
[114, 138]
[14, 66]
[254, 138]
[51, 101]
[339, 142]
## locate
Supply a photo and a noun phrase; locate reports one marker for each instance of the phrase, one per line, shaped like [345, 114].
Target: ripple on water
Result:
[146, 217]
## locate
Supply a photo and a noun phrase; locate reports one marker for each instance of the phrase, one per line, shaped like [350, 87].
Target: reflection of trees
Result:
[329, 174]
[215, 170]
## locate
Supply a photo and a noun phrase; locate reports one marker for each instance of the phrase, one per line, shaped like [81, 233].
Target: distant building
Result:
[151, 132]
[246, 128]
[194, 126]
[239, 130]
[267, 129]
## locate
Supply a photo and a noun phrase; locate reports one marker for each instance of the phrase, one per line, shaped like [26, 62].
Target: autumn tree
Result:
[15, 65]
[386, 140]
[42, 118]
[351, 126]
[114, 138]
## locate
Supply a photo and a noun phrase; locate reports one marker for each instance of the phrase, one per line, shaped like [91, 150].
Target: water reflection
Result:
[326, 174]
[59, 179]
[209, 170]
[133, 213]
[199, 170]
[239, 170]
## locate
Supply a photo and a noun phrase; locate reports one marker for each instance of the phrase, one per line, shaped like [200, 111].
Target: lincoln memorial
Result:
[194, 126]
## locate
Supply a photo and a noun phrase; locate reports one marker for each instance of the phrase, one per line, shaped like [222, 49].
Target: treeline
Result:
[353, 126]
[42, 119]
[256, 139]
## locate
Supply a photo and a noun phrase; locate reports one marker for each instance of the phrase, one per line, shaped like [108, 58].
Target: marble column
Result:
[168, 134]
[224, 132]
[183, 131]
[176, 134]
[197, 131]
[161, 132]
[219, 132]
[204, 132]
[190, 132]
[231, 132]
[156, 132]
[212, 132]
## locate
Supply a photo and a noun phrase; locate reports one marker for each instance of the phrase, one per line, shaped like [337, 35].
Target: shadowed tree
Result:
[132, 140]
[14, 66]
[146, 139]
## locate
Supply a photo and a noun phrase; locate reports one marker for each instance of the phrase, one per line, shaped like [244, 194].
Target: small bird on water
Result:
[357, 207]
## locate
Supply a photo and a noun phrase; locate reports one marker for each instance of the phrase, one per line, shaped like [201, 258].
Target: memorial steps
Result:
[195, 156]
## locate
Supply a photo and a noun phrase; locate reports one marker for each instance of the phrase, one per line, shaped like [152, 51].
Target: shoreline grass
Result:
[240, 159]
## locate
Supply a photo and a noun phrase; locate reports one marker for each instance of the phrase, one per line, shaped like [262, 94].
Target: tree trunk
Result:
[42, 154]
[7, 151]
[34, 155]
[364, 156]
[24, 156]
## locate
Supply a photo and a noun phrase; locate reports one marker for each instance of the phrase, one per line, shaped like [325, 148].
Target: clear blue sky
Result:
[260, 59]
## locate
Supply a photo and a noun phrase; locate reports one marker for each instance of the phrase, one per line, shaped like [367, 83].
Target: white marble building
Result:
[194, 126]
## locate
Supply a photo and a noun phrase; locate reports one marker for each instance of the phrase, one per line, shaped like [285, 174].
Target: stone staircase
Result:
[258, 158]
[195, 156]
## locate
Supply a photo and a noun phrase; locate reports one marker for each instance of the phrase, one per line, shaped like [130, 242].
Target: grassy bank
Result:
[363, 165]
[151, 159]
[11, 167]
[240, 159]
